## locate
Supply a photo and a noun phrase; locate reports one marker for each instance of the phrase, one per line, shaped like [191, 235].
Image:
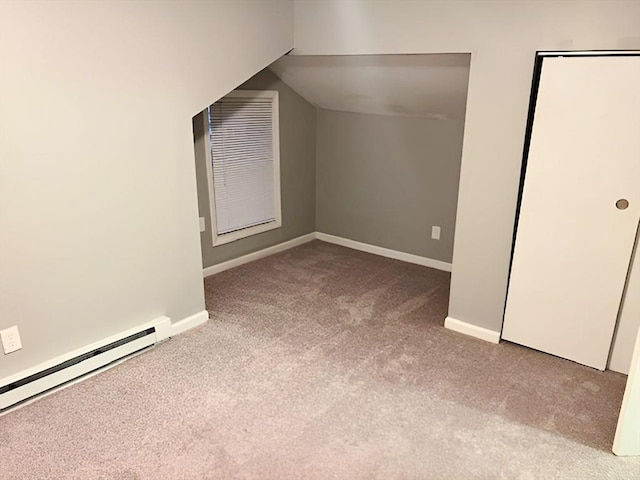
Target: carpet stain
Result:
[590, 386]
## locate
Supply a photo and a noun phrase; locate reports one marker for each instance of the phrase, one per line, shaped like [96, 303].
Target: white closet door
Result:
[574, 244]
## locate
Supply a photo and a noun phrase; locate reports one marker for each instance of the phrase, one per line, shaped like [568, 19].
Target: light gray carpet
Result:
[325, 363]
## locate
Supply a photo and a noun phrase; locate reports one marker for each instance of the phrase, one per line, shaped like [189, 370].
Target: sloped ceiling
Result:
[429, 86]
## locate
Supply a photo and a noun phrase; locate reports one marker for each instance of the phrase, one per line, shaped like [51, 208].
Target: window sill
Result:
[244, 233]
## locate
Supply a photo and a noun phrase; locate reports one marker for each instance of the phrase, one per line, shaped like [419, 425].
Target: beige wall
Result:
[502, 38]
[98, 206]
[297, 174]
[385, 180]
[629, 319]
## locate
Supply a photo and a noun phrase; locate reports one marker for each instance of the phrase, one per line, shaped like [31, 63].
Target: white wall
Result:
[627, 438]
[98, 208]
[629, 321]
[502, 38]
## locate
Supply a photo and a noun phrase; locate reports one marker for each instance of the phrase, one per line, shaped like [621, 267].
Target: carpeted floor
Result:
[325, 363]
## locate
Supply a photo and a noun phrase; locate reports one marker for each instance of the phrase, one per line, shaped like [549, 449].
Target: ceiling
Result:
[429, 86]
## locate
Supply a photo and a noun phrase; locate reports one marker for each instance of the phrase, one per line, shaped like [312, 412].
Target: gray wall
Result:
[297, 174]
[385, 180]
[503, 40]
[98, 220]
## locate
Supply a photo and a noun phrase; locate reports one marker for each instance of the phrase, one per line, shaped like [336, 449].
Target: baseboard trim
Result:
[325, 237]
[265, 252]
[385, 252]
[189, 323]
[471, 330]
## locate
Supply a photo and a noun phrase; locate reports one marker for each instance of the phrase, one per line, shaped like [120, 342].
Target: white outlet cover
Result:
[435, 232]
[203, 226]
[10, 339]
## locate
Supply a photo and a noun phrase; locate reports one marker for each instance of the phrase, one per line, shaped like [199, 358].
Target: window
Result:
[243, 165]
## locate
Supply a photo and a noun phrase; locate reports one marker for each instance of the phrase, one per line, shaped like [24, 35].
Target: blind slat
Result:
[241, 143]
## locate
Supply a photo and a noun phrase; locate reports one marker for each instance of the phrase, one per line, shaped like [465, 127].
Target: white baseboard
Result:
[189, 323]
[472, 330]
[345, 242]
[385, 252]
[250, 257]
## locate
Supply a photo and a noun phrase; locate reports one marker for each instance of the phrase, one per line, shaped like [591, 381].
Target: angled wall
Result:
[98, 206]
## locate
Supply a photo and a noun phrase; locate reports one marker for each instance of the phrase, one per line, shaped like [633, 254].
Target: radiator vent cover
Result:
[50, 375]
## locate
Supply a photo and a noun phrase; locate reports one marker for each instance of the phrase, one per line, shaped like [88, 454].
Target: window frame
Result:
[221, 239]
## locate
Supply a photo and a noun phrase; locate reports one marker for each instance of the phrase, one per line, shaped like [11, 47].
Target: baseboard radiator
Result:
[62, 370]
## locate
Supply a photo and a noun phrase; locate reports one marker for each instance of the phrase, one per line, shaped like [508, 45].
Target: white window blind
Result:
[241, 135]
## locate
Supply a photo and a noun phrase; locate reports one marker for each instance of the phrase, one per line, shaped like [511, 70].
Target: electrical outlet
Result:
[203, 226]
[435, 232]
[10, 340]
